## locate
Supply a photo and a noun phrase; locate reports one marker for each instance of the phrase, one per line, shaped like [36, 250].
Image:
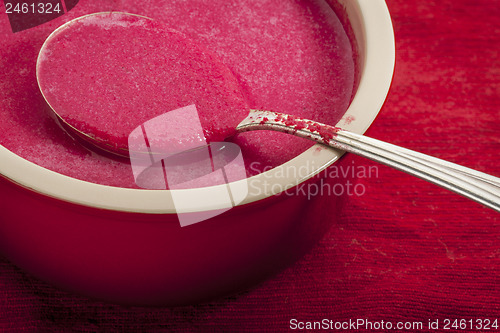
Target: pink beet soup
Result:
[282, 55]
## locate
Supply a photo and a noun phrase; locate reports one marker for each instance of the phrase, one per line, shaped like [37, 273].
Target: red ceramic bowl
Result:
[126, 245]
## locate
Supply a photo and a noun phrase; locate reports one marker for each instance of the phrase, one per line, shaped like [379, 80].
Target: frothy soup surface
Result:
[286, 56]
[106, 74]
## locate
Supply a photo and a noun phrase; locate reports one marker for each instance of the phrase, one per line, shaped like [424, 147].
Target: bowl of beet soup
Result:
[78, 220]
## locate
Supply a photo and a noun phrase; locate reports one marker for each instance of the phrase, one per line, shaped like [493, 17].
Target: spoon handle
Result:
[475, 185]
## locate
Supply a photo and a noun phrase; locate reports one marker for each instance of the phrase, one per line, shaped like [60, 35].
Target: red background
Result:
[404, 251]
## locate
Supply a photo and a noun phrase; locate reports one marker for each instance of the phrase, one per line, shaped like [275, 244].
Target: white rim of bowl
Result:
[375, 37]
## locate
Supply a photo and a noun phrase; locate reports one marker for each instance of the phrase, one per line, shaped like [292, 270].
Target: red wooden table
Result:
[404, 251]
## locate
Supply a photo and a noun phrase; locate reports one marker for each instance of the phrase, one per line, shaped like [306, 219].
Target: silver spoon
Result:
[472, 184]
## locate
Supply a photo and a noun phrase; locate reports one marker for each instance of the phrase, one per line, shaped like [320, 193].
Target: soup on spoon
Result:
[106, 74]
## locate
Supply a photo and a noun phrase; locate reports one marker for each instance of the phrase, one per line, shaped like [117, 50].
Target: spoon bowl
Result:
[105, 74]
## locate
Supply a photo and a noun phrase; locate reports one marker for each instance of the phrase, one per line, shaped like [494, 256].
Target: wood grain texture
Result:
[406, 250]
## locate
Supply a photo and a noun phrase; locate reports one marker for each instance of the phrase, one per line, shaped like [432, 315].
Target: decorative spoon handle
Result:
[475, 185]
